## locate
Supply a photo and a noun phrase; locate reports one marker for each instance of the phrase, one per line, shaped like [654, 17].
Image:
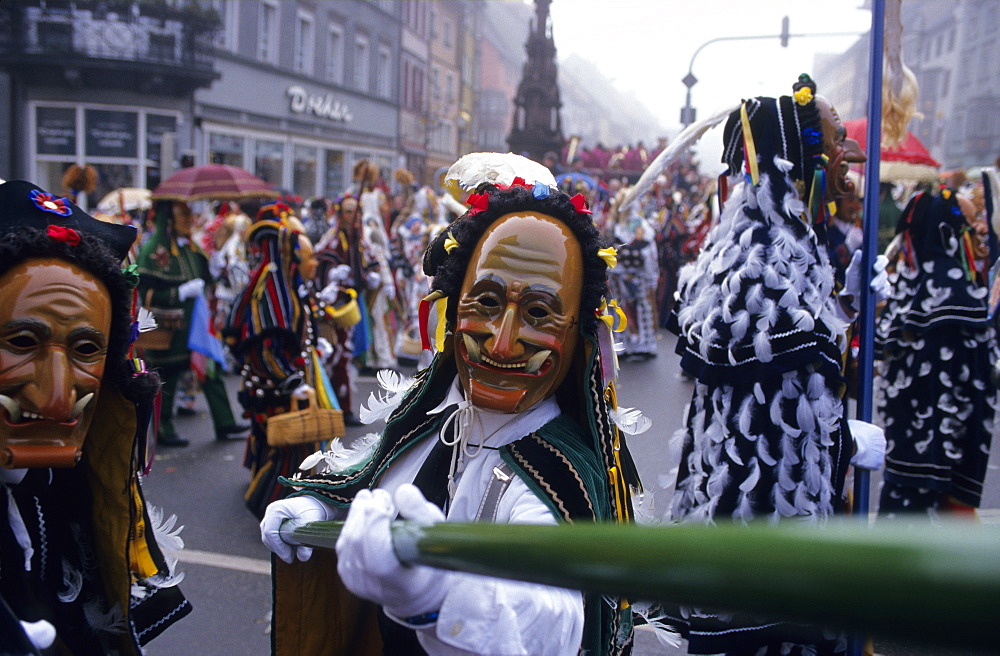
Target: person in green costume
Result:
[173, 272]
[512, 422]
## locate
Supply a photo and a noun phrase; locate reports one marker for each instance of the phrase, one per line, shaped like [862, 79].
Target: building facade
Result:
[107, 84]
[305, 89]
[952, 48]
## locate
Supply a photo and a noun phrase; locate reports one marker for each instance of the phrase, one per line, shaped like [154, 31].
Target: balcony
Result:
[144, 46]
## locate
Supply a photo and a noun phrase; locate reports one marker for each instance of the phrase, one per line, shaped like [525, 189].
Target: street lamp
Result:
[688, 113]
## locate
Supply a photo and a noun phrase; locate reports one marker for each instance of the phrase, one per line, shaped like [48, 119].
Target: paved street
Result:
[226, 567]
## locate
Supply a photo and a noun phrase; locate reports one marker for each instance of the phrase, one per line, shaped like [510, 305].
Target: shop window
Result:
[304, 171]
[333, 185]
[225, 149]
[268, 161]
[110, 133]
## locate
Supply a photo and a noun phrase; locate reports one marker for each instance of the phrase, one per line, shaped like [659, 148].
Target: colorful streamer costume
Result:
[271, 333]
[938, 351]
[759, 331]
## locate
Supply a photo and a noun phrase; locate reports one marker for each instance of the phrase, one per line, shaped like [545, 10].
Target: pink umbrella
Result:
[215, 182]
[909, 160]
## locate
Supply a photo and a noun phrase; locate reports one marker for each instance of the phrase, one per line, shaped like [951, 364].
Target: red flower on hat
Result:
[49, 203]
[580, 203]
[67, 235]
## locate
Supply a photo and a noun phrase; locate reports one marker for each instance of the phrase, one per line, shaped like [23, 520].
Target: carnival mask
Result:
[517, 316]
[841, 151]
[54, 324]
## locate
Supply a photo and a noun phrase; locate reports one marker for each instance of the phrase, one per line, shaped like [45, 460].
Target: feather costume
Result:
[758, 330]
[935, 329]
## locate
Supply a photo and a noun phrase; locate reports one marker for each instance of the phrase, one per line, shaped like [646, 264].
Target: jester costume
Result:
[938, 351]
[760, 332]
[271, 332]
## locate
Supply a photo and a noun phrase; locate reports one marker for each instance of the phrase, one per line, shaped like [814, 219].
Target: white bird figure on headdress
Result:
[497, 168]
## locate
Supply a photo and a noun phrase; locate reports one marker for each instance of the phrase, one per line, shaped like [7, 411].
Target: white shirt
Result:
[483, 615]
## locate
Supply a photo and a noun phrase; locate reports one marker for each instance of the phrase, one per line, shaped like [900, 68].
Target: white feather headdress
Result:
[497, 168]
[687, 138]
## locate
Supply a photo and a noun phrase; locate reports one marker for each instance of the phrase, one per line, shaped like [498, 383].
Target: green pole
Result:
[928, 584]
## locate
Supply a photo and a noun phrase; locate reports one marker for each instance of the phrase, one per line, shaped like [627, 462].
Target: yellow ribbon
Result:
[610, 313]
[609, 255]
[450, 243]
[751, 150]
[441, 307]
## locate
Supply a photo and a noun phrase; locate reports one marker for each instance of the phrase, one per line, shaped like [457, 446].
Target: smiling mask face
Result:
[518, 312]
[54, 324]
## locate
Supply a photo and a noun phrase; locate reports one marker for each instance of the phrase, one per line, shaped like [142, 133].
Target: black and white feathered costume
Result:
[759, 330]
[937, 353]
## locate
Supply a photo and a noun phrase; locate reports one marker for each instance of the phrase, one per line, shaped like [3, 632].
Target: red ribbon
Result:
[68, 235]
[580, 203]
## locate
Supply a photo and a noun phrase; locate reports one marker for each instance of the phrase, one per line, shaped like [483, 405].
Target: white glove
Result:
[41, 633]
[373, 279]
[302, 509]
[323, 347]
[869, 441]
[367, 562]
[339, 275]
[879, 283]
[328, 295]
[191, 288]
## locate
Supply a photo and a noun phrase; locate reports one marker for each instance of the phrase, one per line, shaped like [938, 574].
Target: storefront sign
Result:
[55, 130]
[324, 106]
[111, 133]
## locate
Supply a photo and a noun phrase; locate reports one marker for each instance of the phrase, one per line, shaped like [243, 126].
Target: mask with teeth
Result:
[54, 323]
[518, 310]
[841, 151]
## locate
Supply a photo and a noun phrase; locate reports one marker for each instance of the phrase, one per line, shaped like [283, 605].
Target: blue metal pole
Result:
[866, 320]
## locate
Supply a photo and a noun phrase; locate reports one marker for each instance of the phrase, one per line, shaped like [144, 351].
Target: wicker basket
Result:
[300, 426]
[349, 313]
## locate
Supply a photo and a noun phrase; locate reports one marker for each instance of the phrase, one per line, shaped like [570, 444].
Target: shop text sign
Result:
[324, 106]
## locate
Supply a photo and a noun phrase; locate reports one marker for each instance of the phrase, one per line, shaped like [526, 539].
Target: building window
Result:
[268, 161]
[227, 38]
[305, 42]
[446, 32]
[361, 63]
[433, 25]
[304, 170]
[267, 32]
[383, 72]
[334, 53]
[450, 92]
[225, 149]
[333, 185]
